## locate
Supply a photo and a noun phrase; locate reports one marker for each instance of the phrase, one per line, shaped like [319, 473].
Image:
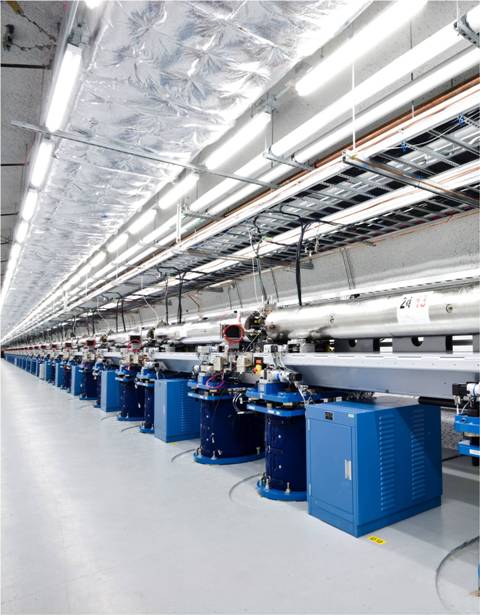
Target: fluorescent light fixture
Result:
[128, 253]
[29, 205]
[104, 270]
[41, 162]
[141, 222]
[98, 258]
[117, 243]
[143, 254]
[14, 254]
[374, 33]
[418, 88]
[22, 230]
[64, 86]
[178, 191]
[238, 140]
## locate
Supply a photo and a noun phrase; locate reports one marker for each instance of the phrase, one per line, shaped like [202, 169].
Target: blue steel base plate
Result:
[276, 494]
[222, 461]
[465, 448]
[129, 418]
[276, 411]
[209, 397]
[466, 423]
[145, 429]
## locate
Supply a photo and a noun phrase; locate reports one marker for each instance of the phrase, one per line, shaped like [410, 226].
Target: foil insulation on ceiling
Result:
[166, 78]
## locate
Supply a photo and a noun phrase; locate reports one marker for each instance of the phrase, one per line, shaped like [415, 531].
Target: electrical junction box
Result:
[244, 361]
[176, 415]
[218, 363]
[110, 391]
[372, 464]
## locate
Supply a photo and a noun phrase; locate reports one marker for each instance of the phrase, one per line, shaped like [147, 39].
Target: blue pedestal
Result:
[110, 395]
[176, 415]
[88, 387]
[372, 464]
[131, 399]
[226, 436]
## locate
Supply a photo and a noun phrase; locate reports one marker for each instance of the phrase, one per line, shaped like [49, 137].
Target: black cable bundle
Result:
[179, 309]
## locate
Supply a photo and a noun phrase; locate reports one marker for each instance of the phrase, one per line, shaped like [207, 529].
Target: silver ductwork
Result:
[437, 312]
[193, 333]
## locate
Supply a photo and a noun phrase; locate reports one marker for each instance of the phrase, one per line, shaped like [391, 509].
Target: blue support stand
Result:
[470, 424]
[97, 377]
[285, 476]
[226, 436]
[88, 386]
[131, 402]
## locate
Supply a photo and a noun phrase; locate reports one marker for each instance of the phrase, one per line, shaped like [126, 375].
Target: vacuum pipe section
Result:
[193, 333]
[437, 312]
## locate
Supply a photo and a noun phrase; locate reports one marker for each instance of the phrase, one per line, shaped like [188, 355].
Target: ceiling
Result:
[25, 78]
[167, 79]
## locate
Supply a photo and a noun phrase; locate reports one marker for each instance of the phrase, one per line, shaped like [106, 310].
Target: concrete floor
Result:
[100, 520]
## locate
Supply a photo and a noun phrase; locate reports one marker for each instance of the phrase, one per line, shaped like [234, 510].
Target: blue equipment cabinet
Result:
[76, 380]
[110, 395]
[176, 415]
[59, 375]
[372, 464]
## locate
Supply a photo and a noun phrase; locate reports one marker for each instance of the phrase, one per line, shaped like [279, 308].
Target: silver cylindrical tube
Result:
[440, 312]
[194, 333]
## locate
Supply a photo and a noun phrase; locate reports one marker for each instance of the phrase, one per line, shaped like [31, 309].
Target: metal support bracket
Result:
[208, 217]
[431, 343]
[60, 134]
[396, 175]
[290, 162]
[462, 27]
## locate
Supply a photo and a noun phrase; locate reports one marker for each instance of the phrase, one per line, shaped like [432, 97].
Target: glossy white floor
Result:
[100, 520]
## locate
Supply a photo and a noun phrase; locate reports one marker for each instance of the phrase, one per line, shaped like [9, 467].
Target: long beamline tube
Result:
[442, 312]
[454, 311]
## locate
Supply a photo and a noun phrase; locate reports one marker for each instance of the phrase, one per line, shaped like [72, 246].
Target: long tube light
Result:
[29, 205]
[98, 258]
[22, 230]
[240, 139]
[178, 191]
[378, 30]
[41, 163]
[141, 222]
[117, 243]
[64, 86]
